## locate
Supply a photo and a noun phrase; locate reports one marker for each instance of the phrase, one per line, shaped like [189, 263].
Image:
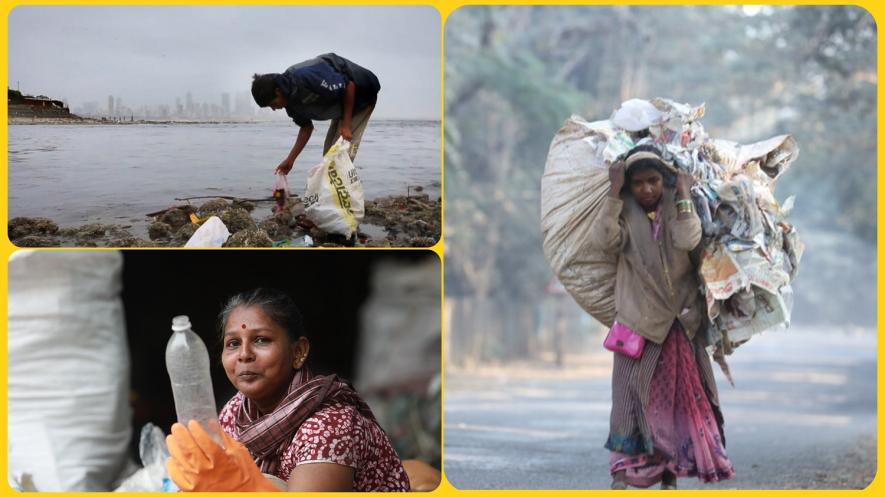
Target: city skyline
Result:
[227, 105]
[150, 55]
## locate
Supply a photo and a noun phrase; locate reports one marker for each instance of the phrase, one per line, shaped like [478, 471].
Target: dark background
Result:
[329, 287]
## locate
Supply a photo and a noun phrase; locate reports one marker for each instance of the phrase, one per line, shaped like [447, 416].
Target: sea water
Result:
[116, 174]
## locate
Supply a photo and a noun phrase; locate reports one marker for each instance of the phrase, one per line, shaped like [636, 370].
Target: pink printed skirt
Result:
[678, 430]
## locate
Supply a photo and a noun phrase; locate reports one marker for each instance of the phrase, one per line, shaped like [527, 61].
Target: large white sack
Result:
[69, 415]
[334, 197]
[403, 309]
[573, 187]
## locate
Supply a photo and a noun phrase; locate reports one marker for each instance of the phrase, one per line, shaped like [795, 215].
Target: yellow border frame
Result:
[445, 7]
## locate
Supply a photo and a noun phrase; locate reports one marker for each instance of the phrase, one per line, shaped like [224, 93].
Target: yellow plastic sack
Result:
[334, 198]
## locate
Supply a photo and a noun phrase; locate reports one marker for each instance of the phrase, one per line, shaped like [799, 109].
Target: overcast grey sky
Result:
[152, 54]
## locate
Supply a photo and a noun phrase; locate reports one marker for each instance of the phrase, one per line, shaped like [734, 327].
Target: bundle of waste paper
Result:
[751, 252]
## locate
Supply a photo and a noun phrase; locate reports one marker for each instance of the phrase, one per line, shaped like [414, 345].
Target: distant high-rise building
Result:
[225, 104]
[244, 105]
[110, 105]
[189, 104]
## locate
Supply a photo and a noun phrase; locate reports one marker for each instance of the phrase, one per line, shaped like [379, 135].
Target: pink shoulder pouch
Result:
[623, 340]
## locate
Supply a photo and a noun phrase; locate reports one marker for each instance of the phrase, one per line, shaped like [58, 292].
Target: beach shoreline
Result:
[391, 221]
[73, 119]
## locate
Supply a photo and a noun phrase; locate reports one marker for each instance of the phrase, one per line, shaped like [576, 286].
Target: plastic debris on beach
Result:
[410, 220]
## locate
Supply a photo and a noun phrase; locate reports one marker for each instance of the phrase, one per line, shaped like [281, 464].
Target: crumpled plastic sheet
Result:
[152, 477]
[751, 251]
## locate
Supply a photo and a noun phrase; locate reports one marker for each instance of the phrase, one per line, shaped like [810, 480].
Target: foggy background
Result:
[149, 56]
[528, 383]
[514, 74]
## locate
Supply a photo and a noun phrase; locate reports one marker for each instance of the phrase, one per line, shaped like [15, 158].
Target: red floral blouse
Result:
[337, 434]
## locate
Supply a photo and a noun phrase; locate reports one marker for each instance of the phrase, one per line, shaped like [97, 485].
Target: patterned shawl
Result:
[268, 436]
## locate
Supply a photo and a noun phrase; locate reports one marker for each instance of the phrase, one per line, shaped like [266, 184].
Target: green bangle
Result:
[684, 201]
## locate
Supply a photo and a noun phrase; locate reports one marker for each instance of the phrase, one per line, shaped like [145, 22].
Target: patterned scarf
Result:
[267, 437]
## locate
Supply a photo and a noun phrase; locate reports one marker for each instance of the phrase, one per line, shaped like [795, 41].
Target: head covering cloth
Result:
[646, 155]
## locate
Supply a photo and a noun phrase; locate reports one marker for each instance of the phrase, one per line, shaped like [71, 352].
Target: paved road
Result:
[803, 415]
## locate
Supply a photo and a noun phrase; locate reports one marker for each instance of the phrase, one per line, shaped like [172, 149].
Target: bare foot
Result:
[619, 480]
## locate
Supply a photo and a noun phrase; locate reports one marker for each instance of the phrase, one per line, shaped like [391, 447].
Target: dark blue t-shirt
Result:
[314, 88]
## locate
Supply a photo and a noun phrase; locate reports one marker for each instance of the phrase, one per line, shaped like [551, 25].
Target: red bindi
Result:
[243, 326]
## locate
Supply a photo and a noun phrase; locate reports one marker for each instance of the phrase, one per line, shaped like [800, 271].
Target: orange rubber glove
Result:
[422, 476]
[198, 464]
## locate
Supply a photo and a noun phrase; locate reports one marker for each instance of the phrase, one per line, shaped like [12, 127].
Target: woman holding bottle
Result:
[312, 432]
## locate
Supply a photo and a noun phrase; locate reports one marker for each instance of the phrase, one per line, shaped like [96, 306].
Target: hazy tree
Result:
[515, 73]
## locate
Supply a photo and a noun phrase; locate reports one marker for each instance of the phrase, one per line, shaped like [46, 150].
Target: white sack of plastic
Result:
[69, 414]
[573, 187]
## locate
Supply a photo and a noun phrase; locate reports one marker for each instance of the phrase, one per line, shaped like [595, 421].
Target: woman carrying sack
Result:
[665, 417]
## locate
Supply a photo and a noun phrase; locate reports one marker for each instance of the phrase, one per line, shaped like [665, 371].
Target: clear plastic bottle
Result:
[187, 361]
